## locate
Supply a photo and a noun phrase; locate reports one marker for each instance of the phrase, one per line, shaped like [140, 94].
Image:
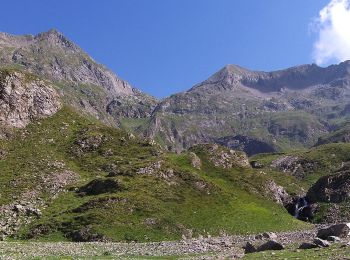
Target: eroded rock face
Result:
[24, 98]
[52, 55]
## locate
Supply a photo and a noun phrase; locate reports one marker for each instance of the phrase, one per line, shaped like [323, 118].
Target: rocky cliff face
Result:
[24, 98]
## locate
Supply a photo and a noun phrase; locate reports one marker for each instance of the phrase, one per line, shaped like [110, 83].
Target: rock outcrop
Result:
[294, 165]
[223, 157]
[334, 188]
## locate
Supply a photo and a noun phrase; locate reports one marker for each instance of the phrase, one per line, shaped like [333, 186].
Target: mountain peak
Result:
[56, 38]
[235, 69]
[230, 73]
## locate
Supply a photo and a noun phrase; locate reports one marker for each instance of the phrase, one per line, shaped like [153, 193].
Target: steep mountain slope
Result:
[84, 83]
[278, 110]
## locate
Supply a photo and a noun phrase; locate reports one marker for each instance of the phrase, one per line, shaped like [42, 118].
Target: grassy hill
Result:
[80, 180]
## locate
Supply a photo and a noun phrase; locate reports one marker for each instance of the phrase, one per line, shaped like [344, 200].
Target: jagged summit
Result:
[56, 38]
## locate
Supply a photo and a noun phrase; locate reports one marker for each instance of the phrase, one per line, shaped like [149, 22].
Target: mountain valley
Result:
[86, 157]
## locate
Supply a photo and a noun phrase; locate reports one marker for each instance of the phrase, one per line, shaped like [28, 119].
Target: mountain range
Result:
[235, 107]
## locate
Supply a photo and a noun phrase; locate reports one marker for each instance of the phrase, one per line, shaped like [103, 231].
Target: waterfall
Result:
[299, 206]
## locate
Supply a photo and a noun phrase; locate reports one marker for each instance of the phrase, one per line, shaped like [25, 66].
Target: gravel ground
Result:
[202, 248]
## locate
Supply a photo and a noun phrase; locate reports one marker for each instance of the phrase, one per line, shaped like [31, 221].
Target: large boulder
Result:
[270, 245]
[339, 230]
[334, 188]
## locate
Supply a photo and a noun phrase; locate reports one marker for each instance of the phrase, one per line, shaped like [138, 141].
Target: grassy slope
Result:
[145, 207]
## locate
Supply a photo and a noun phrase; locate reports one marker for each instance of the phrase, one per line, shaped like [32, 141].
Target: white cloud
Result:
[333, 29]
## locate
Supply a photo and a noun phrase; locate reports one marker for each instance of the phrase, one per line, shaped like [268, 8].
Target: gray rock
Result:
[338, 230]
[256, 165]
[259, 236]
[277, 193]
[307, 245]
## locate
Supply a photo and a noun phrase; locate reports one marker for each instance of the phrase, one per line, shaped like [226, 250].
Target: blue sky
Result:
[166, 46]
